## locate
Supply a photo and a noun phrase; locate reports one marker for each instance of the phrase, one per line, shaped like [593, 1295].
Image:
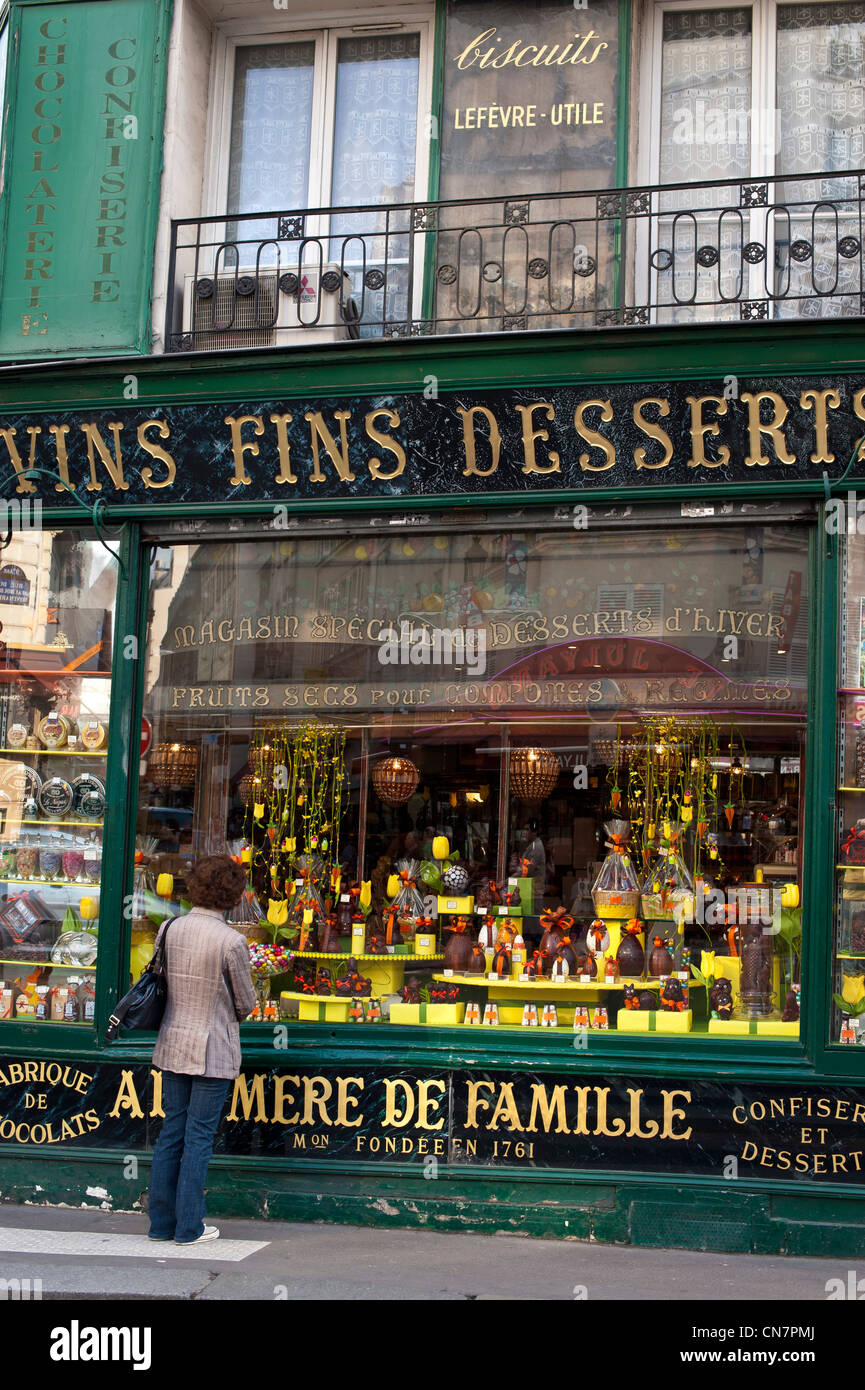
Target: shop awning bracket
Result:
[95, 512]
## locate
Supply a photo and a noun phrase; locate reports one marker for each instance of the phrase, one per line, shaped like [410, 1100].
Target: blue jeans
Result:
[192, 1105]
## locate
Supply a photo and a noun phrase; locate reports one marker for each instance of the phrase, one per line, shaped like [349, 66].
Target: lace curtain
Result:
[271, 122]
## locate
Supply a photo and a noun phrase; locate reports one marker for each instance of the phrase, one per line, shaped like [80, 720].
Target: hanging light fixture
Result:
[394, 780]
[251, 788]
[173, 765]
[533, 773]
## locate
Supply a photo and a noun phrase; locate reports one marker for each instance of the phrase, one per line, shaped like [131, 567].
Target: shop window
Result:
[57, 595]
[745, 92]
[491, 768]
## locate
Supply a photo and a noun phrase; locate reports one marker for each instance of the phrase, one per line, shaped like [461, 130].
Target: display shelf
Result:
[52, 882]
[47, 964]
[562, 987]
[352, 955]
[90, 824]
[61, 675]
[56, 752]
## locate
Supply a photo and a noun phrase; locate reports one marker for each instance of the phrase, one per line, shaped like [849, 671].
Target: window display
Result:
[55, 684]
[511, 777]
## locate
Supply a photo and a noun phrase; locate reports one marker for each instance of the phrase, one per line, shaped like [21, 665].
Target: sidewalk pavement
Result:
[87, 1254]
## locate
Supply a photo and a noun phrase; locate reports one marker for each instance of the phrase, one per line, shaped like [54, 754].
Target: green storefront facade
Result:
[648, 512]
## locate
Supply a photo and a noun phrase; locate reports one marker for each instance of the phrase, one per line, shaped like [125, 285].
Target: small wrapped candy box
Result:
[427, 1013]
[454, 904]
[323, 1010]
[653, 1021]
[753, 1027]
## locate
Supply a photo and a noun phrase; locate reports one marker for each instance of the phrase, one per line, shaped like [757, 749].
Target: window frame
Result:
[764, 48]
[228, 38]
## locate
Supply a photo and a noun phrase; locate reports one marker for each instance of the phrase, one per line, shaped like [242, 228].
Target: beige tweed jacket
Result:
[200, 1035]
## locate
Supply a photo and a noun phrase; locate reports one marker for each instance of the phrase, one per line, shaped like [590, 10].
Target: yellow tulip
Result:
[393, 885]
[277, 912]
[258, 810]
[790, 895]
[307, 916]
[89, 909]
[441, 848]
[853, 989]
[165, 885]
[291, 843]
[707, 963]
[666, 829]
[366, 892]
[687, 815]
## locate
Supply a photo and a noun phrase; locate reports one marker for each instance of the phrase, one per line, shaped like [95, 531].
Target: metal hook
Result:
[95, 512]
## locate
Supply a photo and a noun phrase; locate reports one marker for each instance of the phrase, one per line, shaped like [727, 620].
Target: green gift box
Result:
[527, 894]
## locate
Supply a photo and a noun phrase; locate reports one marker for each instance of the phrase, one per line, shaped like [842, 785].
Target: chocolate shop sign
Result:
[572, 1121]
[452, 443]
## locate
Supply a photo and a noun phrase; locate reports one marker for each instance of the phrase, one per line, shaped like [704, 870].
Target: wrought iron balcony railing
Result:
[772, 248]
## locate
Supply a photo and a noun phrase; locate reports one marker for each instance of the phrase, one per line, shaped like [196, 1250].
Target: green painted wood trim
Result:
[149, 214]
[478, 361]
[623, 86]
[626, 1209]
[435, 147]
[818, 870]
[123, 747]
[623, 78]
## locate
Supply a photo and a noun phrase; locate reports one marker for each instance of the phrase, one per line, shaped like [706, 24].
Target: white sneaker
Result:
[209, 1233]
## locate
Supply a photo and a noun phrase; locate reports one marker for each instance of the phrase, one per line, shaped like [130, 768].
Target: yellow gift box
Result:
[424, 943]
[653, 1021]
[326, 1009]
[753, 1027]
[456, 904]
[776, 1028]
[427, 1013]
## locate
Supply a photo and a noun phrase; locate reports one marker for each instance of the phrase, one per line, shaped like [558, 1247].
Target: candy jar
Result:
[73, 863]
[9, 859]
[93, 862]
[50, 861]
[27, 860]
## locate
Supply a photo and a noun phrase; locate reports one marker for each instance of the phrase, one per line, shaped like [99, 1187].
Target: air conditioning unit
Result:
[274, 308]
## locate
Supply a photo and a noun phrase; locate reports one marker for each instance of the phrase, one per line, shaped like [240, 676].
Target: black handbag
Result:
[144, 1005]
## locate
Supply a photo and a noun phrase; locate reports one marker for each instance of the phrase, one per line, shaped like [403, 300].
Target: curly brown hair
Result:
[216, 881]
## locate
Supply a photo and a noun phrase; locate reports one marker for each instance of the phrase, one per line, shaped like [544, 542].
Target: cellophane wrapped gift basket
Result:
[616, 890]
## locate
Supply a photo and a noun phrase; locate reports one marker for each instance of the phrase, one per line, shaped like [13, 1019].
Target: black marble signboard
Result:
[530, 440]
[579, 1122]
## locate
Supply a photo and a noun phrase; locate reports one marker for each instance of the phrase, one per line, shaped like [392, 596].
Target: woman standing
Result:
[198, 1048]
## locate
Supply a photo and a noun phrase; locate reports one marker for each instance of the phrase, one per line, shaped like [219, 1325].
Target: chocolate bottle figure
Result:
[630, 955]
[343, 914]
[328, 936]
[660, 960]
[478, 963]
[458, 952]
